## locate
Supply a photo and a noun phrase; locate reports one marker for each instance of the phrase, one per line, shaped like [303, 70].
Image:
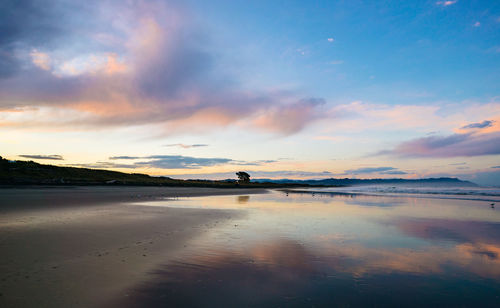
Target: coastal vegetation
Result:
[18, 172]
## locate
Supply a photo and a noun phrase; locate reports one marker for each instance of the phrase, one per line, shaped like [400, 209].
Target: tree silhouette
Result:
[243, 177]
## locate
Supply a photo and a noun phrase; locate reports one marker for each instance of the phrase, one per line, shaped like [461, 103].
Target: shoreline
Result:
[131, 253]
[392, 195]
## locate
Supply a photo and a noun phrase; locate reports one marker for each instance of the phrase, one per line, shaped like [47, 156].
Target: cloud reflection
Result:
[451, 230]
[288, 273]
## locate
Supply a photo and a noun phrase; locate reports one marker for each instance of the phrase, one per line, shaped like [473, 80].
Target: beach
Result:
[202, 247]
[78, 246]
[163, 153]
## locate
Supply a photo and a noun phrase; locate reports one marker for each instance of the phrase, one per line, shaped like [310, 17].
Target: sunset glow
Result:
[294, 89]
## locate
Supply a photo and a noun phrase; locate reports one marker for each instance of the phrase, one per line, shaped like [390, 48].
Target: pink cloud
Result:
[157, 70]
[289, 119]
[455, 145]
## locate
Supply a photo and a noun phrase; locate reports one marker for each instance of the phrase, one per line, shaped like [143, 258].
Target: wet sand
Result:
[310, 250]
[47, 196]
[81, 246]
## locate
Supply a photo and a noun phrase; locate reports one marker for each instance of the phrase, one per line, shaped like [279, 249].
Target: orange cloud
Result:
[40, 59]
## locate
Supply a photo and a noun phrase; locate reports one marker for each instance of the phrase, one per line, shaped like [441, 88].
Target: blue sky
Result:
[304, 89]
[418, 48]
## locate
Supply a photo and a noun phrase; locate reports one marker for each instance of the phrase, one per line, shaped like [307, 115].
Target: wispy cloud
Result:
[370, 170]
[493, 49]
[336, 62]
[186, 146]
[48, 157]
[331, 138]
[362, 116]
[394, 172]
[124, 157]
[104, 165]
[446, 3]
[477, 24]
[255, 162]
[40, 59]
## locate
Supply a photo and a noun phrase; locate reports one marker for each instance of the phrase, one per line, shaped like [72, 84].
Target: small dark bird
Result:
[492, 205]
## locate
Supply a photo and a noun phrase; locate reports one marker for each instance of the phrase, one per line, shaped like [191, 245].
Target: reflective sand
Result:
[324, 251]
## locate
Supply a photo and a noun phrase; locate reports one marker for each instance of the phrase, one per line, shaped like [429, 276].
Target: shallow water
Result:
[328, 250]
[418, 191]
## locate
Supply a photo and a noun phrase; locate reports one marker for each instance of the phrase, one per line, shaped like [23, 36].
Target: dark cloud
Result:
[104, 165]
[455, 145]
[159, 161]
[124, 157]
[168, 162]
[381, 170]
[181, 162]
[185, 162]
[186, 146]
[49, 157]
[25, 24]
[295, 174]
[33, 21]
[394, 172]
[483, 124]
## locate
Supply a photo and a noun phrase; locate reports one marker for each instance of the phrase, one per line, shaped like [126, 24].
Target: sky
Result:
[280, 89]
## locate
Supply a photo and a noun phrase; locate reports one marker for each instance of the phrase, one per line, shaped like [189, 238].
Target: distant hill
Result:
[351, 182]
[31, 173]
